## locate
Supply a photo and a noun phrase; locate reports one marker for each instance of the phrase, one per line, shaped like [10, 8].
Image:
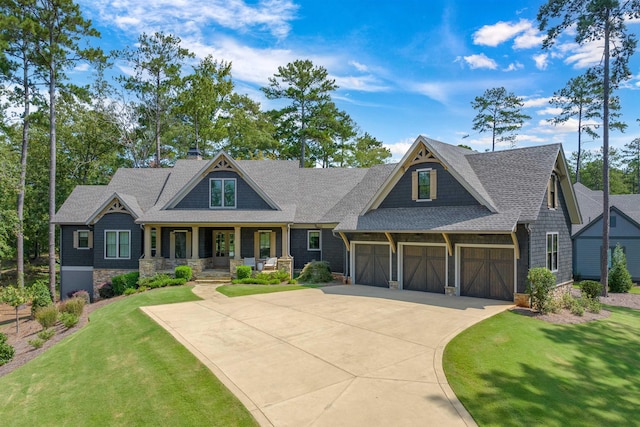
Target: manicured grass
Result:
[242, 290]
[122, 369]
[635, 290]
[511, 370]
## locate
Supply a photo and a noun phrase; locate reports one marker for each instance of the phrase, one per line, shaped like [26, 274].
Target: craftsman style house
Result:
[444, 219]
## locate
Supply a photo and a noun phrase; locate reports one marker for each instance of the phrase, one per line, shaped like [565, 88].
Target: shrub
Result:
[46, 334]
[142, 289]
[591, 289]
[292, 281]
[243, 271]
[251, 281]
[6, 350]
[73, 306]
[69, 320]
[555, 305]
[148, 281]
[124, 281]
[280, 276]
[36, 343]
[577, 309]
[105, 290]
[592, 305]
[316, 272]
[130, 291]
[47, 316]
[619, 277]
[183, 272]
[567, 301]
[40, 296]
[540, 281]
[81, 294]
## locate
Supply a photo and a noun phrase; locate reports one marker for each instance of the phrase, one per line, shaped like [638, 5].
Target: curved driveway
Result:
[335, 356]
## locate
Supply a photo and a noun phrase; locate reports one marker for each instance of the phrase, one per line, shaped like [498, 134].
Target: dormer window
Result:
[552, 192]
[223, 193]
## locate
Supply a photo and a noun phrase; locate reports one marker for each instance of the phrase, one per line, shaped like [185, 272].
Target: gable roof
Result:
[591, 205]
[510, 186]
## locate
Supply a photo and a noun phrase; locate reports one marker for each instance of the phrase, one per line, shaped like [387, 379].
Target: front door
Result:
[223, 247]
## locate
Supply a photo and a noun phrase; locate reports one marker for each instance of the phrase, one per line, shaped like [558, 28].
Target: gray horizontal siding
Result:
[623, 228]
[69, 255]
[587, 256]
[449, 191]
[246, 197]
[117, 221]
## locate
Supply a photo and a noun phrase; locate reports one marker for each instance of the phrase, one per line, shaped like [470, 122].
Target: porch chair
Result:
[271, 264]
[250, 262]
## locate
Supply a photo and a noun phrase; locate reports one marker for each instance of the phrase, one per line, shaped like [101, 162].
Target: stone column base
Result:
[147, 267]
[450, 290]
[393, 284]
[286, 264]
[233, 266]
[196, 266]
[522, 300]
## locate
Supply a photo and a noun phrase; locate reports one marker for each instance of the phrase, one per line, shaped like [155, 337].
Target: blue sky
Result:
[404, 68]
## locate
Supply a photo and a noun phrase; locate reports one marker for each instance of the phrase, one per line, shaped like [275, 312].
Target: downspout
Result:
[527, 226]
[289, 241]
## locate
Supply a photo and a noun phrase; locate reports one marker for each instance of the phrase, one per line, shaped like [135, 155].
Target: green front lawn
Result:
[511, 370]
[122, 369]
[242, 290]
[635, 290]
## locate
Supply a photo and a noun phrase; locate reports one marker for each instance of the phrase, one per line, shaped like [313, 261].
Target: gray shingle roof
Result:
[510, 184]
[437, 219]
[590, 202]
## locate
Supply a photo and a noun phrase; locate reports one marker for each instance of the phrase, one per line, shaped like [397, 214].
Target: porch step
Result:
[213, 280]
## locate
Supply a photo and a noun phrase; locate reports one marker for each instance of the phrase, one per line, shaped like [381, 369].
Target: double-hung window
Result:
[552, 251]
[423, 185]
[117, 244]
[313, 240]
[222, 193]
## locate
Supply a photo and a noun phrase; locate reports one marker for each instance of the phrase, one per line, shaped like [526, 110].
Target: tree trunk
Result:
[604, 265]
[157, 122]
[303, 141]
[52, 169]
[23, 174]
[579, 144]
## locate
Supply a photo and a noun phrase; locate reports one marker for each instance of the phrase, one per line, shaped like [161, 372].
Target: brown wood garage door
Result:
[372, 265]
[487, 273]
[423, 268]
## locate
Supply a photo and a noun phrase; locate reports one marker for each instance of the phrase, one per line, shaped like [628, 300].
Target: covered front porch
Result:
[213, 247]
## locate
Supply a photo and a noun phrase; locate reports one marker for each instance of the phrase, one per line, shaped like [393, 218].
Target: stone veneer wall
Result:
[101, 275]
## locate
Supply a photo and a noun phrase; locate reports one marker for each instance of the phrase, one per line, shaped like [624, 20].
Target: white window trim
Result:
[553, 183]
[546, 250]
[235, 193]
[418, 172]
[319, 240]
[80, 248]
[117, 257]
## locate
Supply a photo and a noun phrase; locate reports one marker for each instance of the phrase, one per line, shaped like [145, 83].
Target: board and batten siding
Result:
[246, 197]
[449, 191]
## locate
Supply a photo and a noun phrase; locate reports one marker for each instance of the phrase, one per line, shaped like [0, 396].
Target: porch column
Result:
[158, 242]
[147, 241]
[195, 235]
[237, 239]
[285, 241]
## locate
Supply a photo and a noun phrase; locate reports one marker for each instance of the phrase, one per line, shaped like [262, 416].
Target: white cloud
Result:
[81, 67]
[549, 111]
[479, 61]
[435, 91]
[180, 16]
[514, 66]
[358, 66]
[399, 149]
[493, 35]
[368, 83]
[541, 60]
[535, 102]
[530, 38]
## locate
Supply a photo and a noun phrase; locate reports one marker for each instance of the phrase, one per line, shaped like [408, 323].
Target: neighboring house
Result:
[443, 219]
[624, 229]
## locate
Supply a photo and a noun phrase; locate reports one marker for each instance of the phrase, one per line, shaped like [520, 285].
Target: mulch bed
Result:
[28, 330]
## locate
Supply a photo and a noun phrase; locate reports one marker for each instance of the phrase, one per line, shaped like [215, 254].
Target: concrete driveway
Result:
[336, 356]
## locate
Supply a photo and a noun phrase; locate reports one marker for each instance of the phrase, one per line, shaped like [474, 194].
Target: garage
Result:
[372, 264]
[424, 268]
[487, 272]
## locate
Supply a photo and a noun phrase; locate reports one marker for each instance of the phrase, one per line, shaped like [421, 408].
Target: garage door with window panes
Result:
[371, 265]
[487, 273]
[424, 268]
